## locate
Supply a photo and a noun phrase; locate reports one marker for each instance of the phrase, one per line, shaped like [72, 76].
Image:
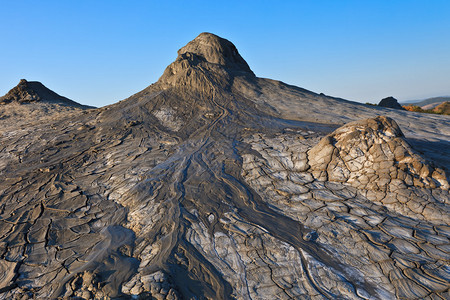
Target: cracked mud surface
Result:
[194, 188]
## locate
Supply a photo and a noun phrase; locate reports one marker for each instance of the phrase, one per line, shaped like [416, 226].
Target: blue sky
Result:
[100, 52]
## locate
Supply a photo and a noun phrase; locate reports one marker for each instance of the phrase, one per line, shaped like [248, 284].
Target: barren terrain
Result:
[214, 183]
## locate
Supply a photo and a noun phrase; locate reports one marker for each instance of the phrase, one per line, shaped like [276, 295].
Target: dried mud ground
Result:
[215, 184]
[90, 210]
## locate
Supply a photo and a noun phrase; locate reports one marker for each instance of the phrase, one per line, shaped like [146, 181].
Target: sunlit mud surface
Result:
[201, 187]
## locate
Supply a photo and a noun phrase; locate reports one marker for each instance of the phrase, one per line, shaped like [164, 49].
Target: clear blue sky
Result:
[100, 52]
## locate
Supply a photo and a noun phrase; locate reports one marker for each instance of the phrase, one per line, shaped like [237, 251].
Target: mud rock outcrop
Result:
[390, 102]
[372, 154]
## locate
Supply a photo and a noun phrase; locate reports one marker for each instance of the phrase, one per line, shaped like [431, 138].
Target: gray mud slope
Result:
[213, 183]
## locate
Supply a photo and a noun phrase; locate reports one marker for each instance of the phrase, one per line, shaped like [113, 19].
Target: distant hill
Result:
[427, 101]
[440, 108]
[443, 108]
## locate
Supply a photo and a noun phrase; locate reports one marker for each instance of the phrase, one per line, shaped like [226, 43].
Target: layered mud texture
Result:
[213, 183]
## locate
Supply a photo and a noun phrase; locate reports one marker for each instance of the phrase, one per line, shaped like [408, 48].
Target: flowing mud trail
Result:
[212, 184]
